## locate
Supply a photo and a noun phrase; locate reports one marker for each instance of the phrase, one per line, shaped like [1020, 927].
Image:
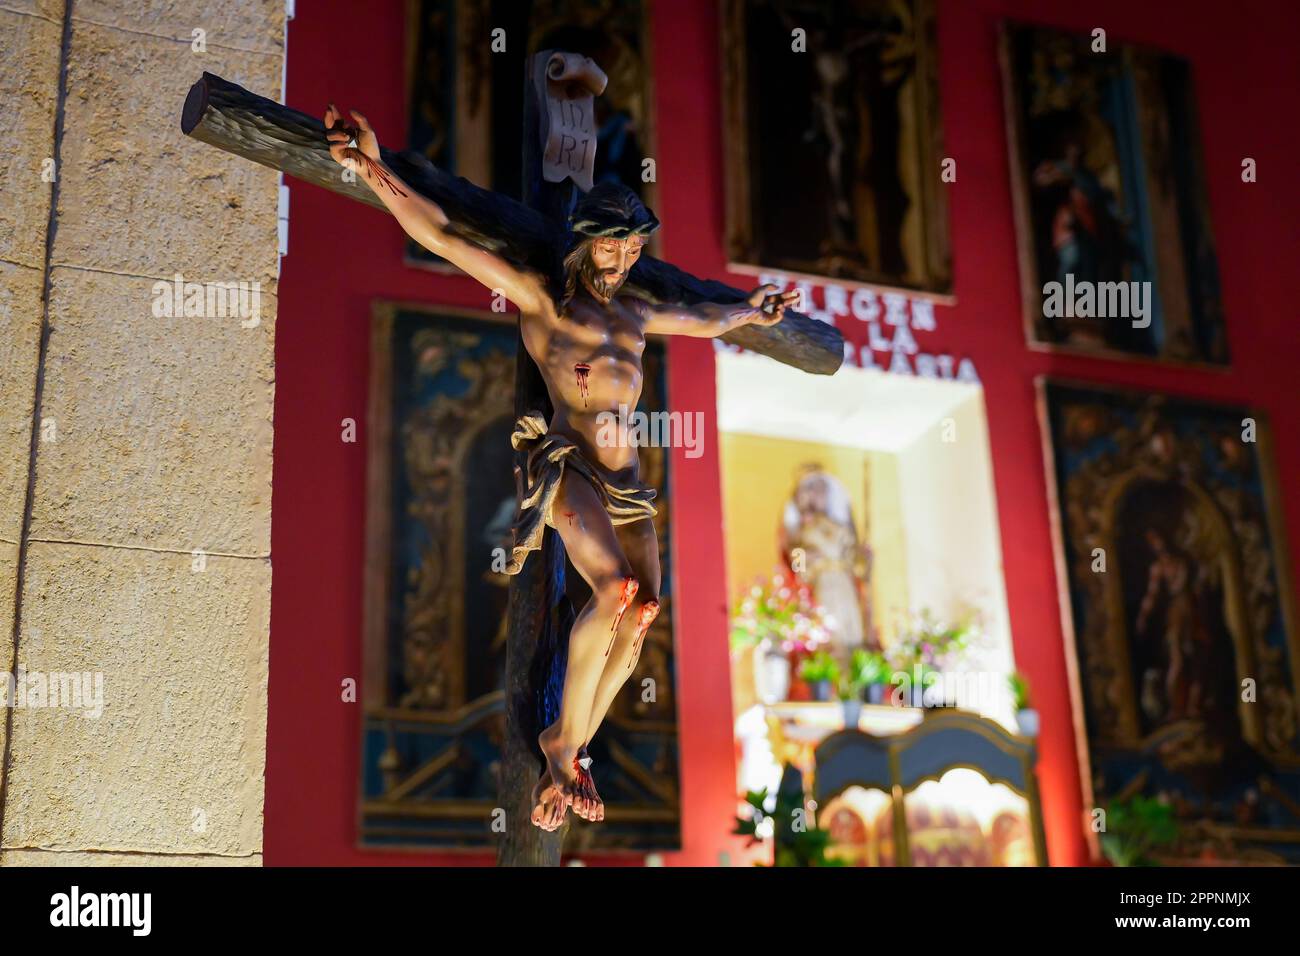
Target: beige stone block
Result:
[176, 760]
[20, 347]
[163, 425]
[29, 78]
[247, 25]
[79, 859]
[46, 9]
[137, 196]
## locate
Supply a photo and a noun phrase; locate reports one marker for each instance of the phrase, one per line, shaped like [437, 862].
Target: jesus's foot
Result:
[560, 757]
[548, 803]
[592, 804]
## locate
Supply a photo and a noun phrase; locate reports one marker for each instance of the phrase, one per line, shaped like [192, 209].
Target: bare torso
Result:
[590, 358]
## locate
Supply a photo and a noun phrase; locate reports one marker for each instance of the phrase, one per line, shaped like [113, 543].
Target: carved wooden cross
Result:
[532, 233]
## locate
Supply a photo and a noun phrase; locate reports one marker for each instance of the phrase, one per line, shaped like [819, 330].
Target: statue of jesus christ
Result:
[587, 341]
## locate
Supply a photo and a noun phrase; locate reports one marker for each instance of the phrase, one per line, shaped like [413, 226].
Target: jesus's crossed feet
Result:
[568, 774]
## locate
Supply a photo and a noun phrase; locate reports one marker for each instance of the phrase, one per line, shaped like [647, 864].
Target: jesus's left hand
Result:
[771, 304]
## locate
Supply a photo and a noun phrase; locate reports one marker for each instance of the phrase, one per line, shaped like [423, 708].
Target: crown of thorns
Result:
[612, 211]
[599, 230]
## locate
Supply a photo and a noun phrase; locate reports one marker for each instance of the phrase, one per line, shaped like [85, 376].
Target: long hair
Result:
[574, 261]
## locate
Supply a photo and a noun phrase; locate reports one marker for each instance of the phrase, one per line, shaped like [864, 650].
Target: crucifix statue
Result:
[587, 296]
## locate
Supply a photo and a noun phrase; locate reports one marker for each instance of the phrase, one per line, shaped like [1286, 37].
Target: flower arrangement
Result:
[781, 611]
[926, 644]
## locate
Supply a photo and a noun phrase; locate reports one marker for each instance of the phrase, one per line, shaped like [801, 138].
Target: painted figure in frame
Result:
[1110, 192]
[1180, 616]
[861, 197]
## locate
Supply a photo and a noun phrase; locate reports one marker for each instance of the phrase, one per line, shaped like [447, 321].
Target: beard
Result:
[598, 283]
[578, 266]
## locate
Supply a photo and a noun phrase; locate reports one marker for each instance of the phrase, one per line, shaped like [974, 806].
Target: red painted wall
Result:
[342, 256]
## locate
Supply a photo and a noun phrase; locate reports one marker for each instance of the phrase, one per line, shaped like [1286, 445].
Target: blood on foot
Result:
[583, 370]
[649, 611]
[583, 782]
[625, 597]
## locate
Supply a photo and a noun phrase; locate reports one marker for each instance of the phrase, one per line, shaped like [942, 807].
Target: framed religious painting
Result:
[833, 142]
[1112, 219]
[1177, 603]
[440, 505]
[465, 112]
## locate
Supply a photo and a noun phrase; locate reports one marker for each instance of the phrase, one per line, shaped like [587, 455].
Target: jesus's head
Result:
[610, 226]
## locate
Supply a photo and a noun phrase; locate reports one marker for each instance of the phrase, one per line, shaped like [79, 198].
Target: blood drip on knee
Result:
[625, 597]
[583, 370]
[649, 611]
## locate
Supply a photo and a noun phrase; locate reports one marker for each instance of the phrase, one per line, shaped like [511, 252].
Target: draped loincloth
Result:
[548, 455]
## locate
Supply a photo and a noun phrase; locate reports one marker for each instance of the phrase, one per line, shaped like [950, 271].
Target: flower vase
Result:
[852, 712]
[771, 673]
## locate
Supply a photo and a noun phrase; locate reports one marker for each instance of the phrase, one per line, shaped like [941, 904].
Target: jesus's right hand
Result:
[341, 135]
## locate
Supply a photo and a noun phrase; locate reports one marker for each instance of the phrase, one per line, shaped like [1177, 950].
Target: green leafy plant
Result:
[866, 669]
[750, 825]
[819, 667]
[1136, 827]
[802, 845]
[1019, 688]
[806, 849]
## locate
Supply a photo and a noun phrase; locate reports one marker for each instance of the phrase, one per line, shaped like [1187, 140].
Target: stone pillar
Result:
[135, 448]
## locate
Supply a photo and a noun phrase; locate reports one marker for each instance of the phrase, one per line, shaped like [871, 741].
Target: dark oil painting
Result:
[833, 141]
[1109, 187]
[1180, 609]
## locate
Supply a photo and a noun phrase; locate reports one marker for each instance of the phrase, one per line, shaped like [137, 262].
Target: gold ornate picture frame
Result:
[1108, 189]
[834, 148]
[1177, 604]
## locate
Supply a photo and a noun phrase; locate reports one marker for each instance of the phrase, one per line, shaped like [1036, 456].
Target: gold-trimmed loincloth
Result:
[548, 456]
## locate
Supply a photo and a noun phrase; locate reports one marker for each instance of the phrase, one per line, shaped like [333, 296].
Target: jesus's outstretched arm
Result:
[765, 306]
[424, 220]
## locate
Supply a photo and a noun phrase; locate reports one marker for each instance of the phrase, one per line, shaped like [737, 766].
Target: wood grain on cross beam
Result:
[229, 117]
